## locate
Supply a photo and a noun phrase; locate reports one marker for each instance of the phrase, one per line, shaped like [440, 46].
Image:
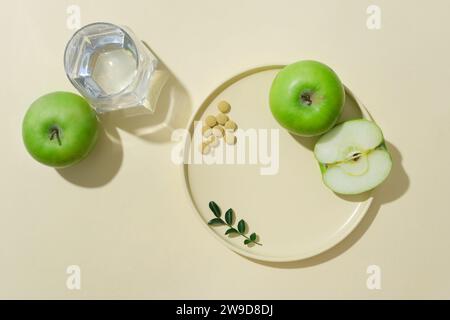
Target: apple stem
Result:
[55, 133]
[306, 98]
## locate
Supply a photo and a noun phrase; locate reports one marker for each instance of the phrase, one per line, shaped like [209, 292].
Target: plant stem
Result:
[229, 225]
[259, 244]
[229, 216]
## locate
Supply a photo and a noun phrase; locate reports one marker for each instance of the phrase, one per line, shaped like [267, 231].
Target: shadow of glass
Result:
[351, 110]
[172, 111]
[100, 166]
[396, 185]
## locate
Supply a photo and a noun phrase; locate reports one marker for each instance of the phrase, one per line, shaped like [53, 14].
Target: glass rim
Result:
[138, 54]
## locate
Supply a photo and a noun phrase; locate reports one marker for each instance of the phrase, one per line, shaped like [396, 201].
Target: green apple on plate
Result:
[59, 129]
[353, 157]
[307, 98]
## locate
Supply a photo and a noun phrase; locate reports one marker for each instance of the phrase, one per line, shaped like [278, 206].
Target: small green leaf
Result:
[229, 220]
[216, 222]
[215, 208]
[231, 230]
[241, 226]
[229, 216]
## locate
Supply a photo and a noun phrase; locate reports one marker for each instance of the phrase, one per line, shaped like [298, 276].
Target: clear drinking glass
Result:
[113, 69]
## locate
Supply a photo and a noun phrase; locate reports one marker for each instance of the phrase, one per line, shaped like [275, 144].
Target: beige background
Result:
[122, 214]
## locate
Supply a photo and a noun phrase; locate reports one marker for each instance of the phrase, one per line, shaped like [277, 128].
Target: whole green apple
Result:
[306, 98]
[59, 129]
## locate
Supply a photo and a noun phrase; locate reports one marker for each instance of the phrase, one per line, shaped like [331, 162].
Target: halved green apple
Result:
[353, 157]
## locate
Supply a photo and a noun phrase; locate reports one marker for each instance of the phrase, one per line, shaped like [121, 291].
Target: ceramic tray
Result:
[292, 211]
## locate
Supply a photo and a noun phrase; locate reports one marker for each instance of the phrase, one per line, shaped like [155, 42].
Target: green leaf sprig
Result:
[229, 221]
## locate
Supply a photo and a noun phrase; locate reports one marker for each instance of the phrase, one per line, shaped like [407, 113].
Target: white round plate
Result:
[294, 214]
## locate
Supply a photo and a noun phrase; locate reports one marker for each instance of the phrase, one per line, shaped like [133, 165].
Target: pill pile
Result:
[217, 127]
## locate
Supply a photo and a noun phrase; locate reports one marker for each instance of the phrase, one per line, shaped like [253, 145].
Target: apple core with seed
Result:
[353, 157]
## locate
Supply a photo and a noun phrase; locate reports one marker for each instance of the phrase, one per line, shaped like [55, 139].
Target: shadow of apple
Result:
[395, 186]
[100, 166]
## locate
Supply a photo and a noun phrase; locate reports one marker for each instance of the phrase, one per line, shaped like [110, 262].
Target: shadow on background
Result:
[393, 188]
[172, 111]
[101, 165]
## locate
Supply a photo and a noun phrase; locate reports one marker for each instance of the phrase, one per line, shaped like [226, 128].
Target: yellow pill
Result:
[205, 148]
[222, 118]
[206, 131]
[213, 141]
[230, 125]
[210, 121]
[230, 138]
[218, 131]
[224, 107]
